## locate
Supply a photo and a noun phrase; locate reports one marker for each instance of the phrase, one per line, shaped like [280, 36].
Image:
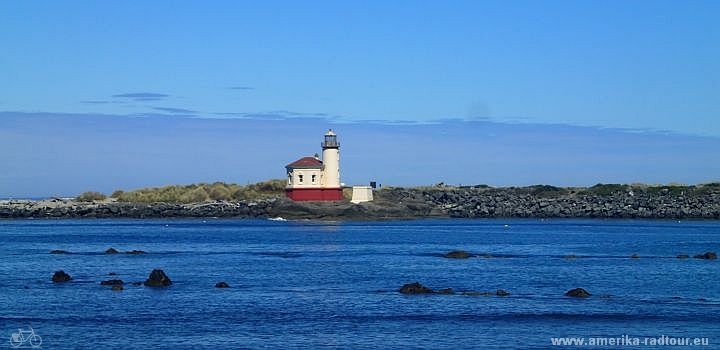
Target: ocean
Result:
[311, 284]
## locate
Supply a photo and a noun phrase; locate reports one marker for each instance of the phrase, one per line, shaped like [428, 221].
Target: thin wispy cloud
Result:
[96, 102]
[175, 110]
[142, 96]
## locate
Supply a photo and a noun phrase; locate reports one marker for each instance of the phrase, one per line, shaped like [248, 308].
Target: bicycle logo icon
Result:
[25, 338]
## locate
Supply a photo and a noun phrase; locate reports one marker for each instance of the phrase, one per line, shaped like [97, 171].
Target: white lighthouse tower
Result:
[331, 161]
[313, 179]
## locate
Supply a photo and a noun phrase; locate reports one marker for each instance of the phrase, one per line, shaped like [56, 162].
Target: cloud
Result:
[241, 88]
[142, 96]
[175, 110]
[152, 149]
[97, 102]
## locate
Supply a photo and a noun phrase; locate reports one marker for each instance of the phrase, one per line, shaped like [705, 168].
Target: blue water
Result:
[334, 284]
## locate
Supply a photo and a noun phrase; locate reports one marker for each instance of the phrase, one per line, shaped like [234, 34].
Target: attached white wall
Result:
[361, 194]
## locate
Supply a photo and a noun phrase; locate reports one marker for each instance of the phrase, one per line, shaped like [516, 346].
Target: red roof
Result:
[306, 163]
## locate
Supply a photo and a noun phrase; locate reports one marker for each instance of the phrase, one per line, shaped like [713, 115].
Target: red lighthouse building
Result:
[315, 179]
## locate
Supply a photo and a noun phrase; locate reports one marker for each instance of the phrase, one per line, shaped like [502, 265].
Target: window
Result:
[313, 178]
[300, 178]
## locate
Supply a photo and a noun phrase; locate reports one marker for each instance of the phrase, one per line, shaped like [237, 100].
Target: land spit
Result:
[606, 201]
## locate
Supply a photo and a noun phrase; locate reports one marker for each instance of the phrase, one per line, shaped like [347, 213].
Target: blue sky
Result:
[558, 92]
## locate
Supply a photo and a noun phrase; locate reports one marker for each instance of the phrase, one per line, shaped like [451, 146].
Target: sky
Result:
[109, 95]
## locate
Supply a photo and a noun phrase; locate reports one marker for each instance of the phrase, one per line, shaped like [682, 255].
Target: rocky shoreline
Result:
[607, 201]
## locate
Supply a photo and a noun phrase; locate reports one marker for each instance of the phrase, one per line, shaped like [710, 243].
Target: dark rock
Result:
[683, 256]
[578, 293]
[112, 274]
[59, 251]
[472, 293]
[457, 254]
[112, 282]
[635, 256]
[136, 252]
[222, 285]
[570, 256]
[448, 291]
[117, 287]
[502, 293]
[706, 256]
[414, 288]
[60, 276]
[158, 278]
[111, 250]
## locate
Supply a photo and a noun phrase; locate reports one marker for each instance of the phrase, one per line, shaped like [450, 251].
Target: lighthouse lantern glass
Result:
[330, 141]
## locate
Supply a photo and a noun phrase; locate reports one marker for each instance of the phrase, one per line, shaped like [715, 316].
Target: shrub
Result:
[547, 190]
[90, 196]
[607, 189]
[203, 192]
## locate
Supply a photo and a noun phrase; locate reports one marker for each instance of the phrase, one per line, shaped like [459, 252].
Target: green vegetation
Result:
[607, 189]
[674, 190]
[547, 190]
[220, 191]
[90, 196]
[195, 193]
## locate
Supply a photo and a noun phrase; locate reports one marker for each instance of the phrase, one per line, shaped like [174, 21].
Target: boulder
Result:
[60, 276]
[635, 256]
[136, 252]
[448, 291]
[112, 282]
[457, 254]
[111, 250]
[222, 284]
[578, 293]
[117, 287]
[570, 257]
[707, 256]
[59, 251]
[502, 293]
[158, 278]
[414, 288]
[472, 293]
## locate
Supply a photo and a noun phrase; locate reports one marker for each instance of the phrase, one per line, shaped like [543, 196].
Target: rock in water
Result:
[457, 254]
[111, 250]
[578, 293]
[222, 285]
[635, 256]
[707, 256]
[158, 278]
[136, 252]
[117, 287]
[59, 251]
[502, 293]
[683, 256]
[60, 276]
[112, 283]
[414, 288]
[448, 291]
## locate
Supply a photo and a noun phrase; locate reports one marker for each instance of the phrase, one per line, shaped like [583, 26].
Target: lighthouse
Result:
[315, 179]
